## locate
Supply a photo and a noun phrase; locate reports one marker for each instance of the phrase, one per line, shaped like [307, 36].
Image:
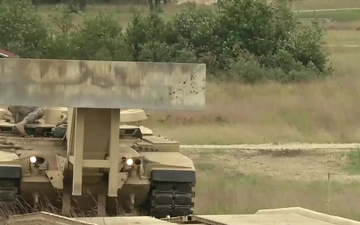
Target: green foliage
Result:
[246, 40]
[21, 29]
[353, 158]
[100, 38]
[77, 5]
[60, 44]
[264, 42]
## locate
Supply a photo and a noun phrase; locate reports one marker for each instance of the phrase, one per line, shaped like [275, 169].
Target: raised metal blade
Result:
[102, 84]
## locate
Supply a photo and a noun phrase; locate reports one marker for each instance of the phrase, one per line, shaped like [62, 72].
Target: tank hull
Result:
[161, 184]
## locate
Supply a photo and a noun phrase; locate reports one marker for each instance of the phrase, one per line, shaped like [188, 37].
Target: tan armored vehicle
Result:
[95, 161]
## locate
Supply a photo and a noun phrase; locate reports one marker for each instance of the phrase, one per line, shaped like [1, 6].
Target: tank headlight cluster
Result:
[36, 160]
[129, 162]
[33, 159]
[132, 161]
[132, 165]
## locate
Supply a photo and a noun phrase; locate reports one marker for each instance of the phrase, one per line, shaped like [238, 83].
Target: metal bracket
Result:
[56, 178]
[122, 178]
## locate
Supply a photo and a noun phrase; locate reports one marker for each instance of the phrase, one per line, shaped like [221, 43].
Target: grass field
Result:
[123, 12]
[221, 193]
[340, 16]
[316, 112]
[325, 4]
[327, 111]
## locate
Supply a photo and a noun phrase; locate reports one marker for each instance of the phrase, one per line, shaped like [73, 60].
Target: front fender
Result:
[174, 160]
[186, 176]
[169, 167]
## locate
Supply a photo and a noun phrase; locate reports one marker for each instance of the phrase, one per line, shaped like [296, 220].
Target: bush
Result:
[22, 29]
[246, 40]
[100, 38]
[281, 49]
[153, 39]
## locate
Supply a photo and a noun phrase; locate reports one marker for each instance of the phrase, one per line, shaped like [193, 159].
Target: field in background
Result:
[123, 11]
[327, 111]
[339, 16]
[325, 4]
[244, 181]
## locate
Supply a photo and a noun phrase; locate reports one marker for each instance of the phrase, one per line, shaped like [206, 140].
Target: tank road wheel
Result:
[168, 197]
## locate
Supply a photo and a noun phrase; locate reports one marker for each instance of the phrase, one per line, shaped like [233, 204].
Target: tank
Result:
[88, 157]
[155, 179]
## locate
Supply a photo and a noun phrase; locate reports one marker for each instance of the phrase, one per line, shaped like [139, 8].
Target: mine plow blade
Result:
[102, 84]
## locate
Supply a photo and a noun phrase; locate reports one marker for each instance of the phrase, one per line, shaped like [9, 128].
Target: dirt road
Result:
[271, 146]
[299, 161]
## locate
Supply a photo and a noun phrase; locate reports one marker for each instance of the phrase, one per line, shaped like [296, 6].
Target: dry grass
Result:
[219, 193]
[344, 37]
[248, 193]
[323, 111]
[325, 4]
[340, 15]
[82, 206]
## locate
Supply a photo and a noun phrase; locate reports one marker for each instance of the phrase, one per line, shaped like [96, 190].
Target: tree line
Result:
[248, 41]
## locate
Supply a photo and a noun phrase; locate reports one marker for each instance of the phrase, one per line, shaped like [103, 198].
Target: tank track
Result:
[171, 199]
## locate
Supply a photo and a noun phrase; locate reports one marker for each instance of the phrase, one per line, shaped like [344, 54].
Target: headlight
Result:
[129, 162]
[33, 159]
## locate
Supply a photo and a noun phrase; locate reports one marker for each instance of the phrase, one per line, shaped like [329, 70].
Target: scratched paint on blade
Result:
[102, 84]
